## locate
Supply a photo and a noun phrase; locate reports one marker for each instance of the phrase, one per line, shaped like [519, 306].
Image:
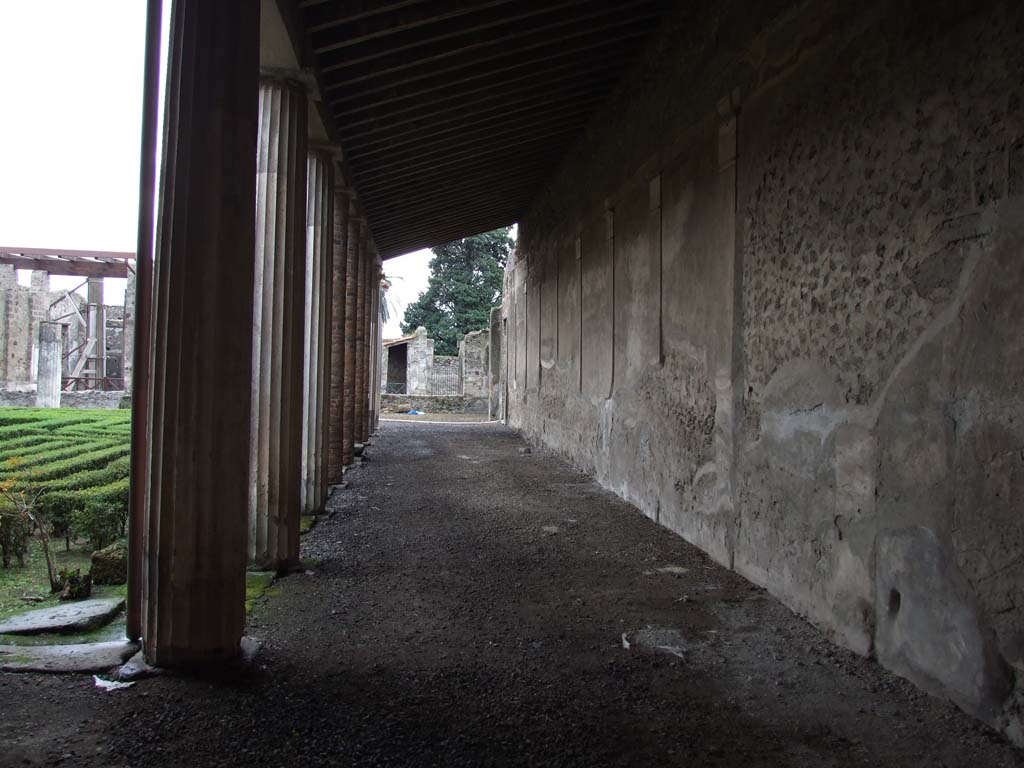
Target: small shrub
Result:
[67, 472]
[15, 531]
[100, 522]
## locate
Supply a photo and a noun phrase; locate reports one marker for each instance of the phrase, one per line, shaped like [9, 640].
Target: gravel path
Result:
[471, 606]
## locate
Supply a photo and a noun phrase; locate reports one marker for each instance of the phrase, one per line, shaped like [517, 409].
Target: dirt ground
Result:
[471, 606]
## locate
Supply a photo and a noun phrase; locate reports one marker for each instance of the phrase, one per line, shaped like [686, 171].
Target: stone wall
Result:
[84, 399]
[439, 375]
[785, 318]
[22, 308]
[473, 354]
[66, 308]
[420, 359]
[428, 404]
[115, 340]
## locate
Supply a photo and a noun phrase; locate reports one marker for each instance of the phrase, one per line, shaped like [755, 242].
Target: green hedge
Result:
[78, 460]
[27, 462]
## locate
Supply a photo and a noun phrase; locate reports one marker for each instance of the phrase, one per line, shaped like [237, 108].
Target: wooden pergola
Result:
[75, 263]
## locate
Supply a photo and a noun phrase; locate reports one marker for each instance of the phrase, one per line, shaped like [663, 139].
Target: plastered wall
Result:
[774, 298]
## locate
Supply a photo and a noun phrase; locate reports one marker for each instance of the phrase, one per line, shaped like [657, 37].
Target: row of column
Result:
[302, 219]
[254, 369]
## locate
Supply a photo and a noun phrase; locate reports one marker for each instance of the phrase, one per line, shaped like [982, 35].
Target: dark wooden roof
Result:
[453, 113]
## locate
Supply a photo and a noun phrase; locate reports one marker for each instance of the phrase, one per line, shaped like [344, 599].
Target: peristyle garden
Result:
[63, 495]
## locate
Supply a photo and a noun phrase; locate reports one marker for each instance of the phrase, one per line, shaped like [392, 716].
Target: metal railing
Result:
[445, 381]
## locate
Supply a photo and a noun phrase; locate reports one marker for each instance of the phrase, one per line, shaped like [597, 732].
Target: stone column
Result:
[339, 286]
[351, 293]
[128, 343]
[375, 352]
[371, 268]
[97, 315]
[48, 365]
[360, 374]
[197, 452]
[324, 345]
[373, 375]
[319, 232]
[277, 342]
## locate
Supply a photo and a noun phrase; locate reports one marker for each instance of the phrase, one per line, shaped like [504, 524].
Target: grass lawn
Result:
[31, 581]
[79, 460]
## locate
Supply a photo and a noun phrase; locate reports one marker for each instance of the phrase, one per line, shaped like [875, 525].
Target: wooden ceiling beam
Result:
[72, 268]
[69, 253]
[532, 170]
[487, 27]
[381, 126]
[411, 20]
[498, 153]
[323, 14]
[441, 208]
[431, 145]
[566, 36]
[388, 211]
[467, 174]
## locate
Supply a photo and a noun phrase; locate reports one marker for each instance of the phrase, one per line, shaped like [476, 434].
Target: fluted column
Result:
[378, 347]
[372, 296]
[319, 236]
[277, 349]
[196, 461]
[360, 373]
[348, 425]
[339, 287]
[324, 350]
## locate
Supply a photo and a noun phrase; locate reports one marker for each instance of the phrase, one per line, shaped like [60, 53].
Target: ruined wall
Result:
[22, 308]
[473, 354]
[429, 404]
[69, 310]
[420, 359]
[115, 331]
[774, 298]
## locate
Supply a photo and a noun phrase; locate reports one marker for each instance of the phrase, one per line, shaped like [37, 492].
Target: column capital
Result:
[296, 78]
[326, 150]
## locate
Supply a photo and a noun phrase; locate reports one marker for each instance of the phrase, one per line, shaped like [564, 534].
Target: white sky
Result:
[409, 275]
[71, 89]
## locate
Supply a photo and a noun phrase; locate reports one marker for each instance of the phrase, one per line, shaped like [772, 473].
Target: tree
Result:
[465, 282]
[20, 517]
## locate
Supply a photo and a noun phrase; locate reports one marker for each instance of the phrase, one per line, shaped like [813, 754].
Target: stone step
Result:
[81, 616]
[83, 657]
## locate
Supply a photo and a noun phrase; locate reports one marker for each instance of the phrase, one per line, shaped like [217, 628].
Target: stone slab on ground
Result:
[79, 616]
[83, 657]
[137, 668]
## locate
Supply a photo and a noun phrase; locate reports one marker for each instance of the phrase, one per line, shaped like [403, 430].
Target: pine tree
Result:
[465, 282]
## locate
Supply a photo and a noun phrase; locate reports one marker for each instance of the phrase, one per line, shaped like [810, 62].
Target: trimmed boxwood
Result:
[78, 460]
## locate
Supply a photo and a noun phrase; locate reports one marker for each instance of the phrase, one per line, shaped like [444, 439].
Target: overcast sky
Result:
[71, 89]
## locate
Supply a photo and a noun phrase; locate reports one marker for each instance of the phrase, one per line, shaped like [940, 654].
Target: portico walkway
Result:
[470, 607]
